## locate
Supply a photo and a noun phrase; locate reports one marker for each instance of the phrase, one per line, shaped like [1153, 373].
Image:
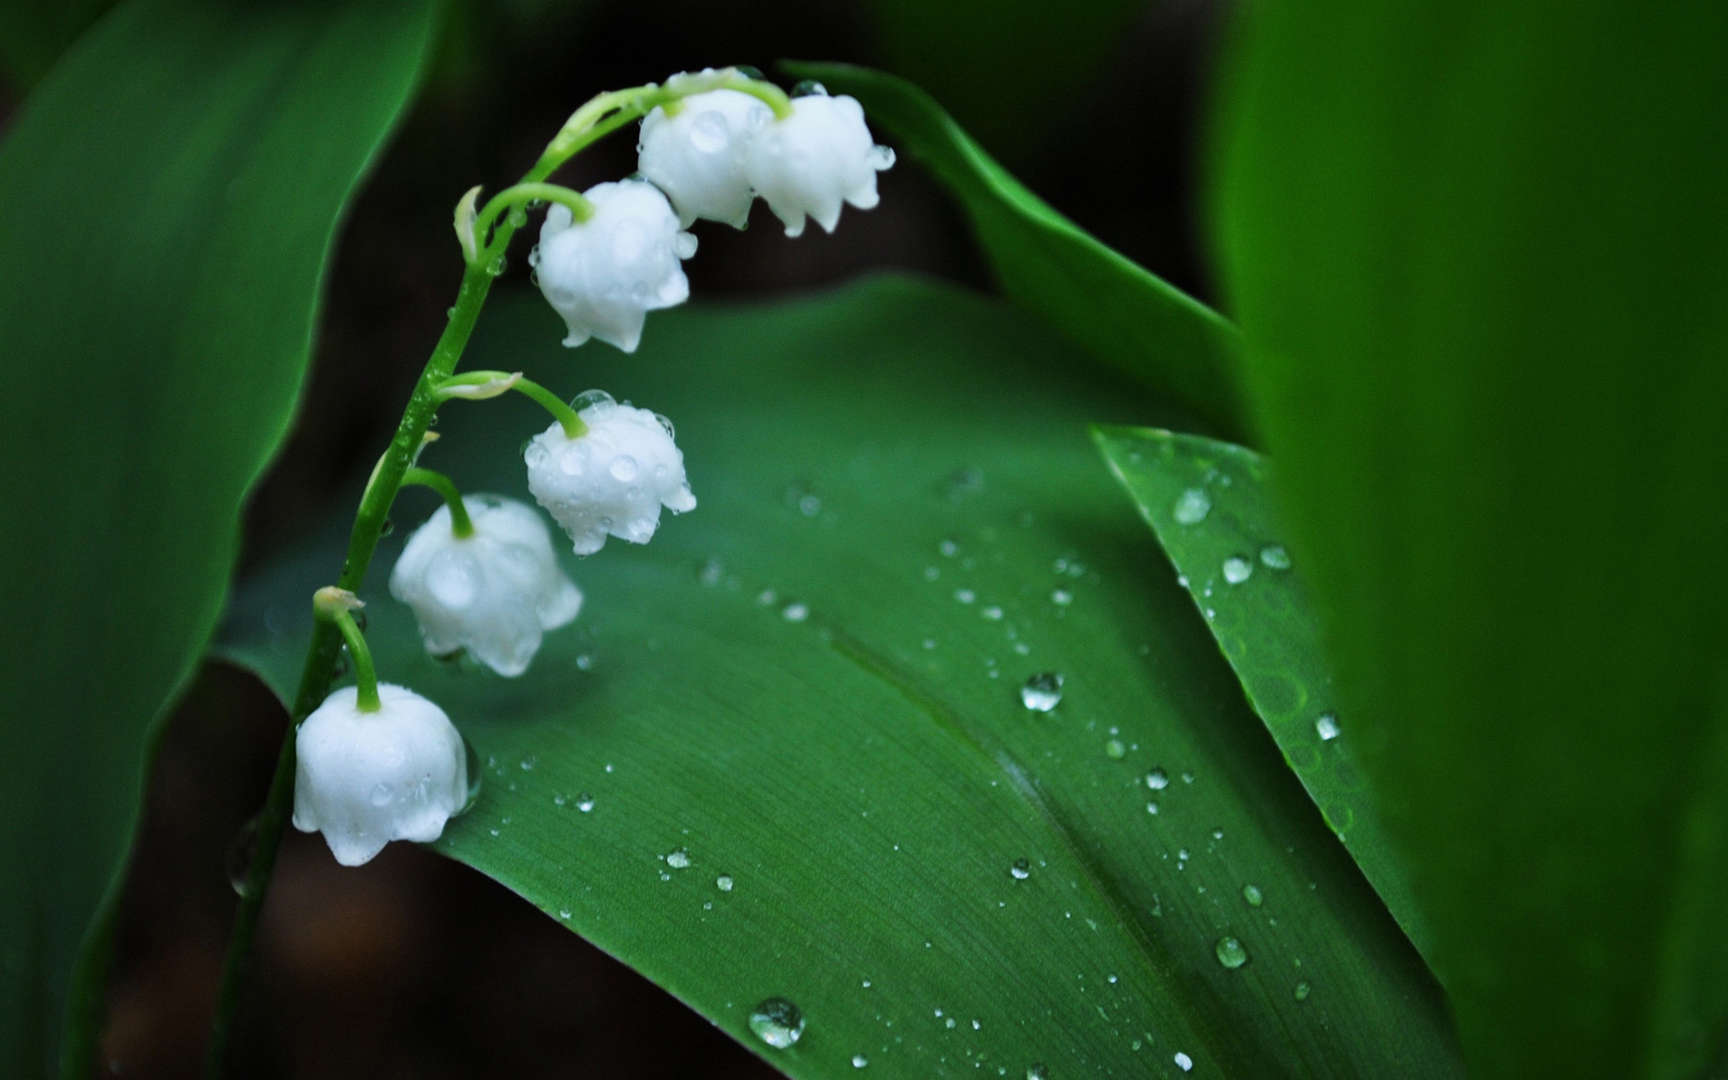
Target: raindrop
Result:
[1302, 991]
[678, 860]
[1237, 569]
[1230, 953]
[1061, 597]
[859, 1061]
[1326, 726]
[1275, 557]
[585, 802]
[1157, 779]
[948, 548]
[1251, 893]
[240, 853]
[810, 505]
[1021, 870]
[382, 792]
[809, 87]
[518, 217]
[795, 612]
[1183, 1061]
[1151, 808]
[1036, 1071]
[496, 266]
[1042, 692]
[723, 883]
[1191, 507]
[777, 1022]
[993, 613]
[1115, 750]
[965, 596]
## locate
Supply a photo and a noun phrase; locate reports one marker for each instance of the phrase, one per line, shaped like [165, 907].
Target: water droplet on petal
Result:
[777, 1022]
[1042, 692]
[382, 793]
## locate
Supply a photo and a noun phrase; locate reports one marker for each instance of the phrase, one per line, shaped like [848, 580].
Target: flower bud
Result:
[697, 156]
[364, 779]
[603, 275]
[493, 593]
[815, 159]
[613, 479]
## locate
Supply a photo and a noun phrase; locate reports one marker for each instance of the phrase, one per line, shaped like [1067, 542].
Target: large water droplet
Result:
[1191, 507]
[382, 793]
[1021, 870]
[795, 612]
[1230, 952]
[859, 1061]
[708, 132]
[1036, 1071]
[1115, 750]
[1183, 1061]
[1237, 569]
[585, 802]
[678, 859]
[1275, 557]
[589, 398]
[1157, 779]
[1061, 597]
[1042, 692]
[1326, 726]
[723, 883]
[624, 468]
[777, 1022]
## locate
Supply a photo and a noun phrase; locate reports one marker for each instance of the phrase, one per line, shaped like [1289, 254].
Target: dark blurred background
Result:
[413, 966]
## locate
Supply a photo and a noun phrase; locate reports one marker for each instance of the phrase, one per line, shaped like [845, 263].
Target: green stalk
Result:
[460, 523]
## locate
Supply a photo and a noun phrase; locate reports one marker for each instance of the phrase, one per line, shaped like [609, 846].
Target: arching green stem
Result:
[520, 195]
[460, 523]
[487, 384]
[337, 606]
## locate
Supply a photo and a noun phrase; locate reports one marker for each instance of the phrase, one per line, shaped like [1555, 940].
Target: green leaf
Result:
[1210, 504]
[173, 188]
[1480, 254]
[1113, 307]
[812, 686]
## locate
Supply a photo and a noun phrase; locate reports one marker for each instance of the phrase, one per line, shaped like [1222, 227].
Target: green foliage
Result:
[33, 34]
[1480, 255]
[812, 686]
[173, 188]
[1123, 314]
[1210, 503]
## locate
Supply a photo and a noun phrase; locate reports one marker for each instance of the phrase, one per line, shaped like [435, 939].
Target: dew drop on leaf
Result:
[1275, 557]
[1230, 953]
[777, 1022]
[1326, 726]
[1237, 569]
[1191, 507]
[1021, 870]
[1042, 692]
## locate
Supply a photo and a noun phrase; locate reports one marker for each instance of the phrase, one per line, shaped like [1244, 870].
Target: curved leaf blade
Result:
[1210, 504]
[811, 686]
[1483, 288]
[174, 185]
[1116, 309]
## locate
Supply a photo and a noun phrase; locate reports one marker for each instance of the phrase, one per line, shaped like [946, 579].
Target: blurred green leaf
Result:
[812, 687]
[1010, 72]
[1210, 504]
[1480, 254]
[173, 188]
[1110, 305]
[34, 33]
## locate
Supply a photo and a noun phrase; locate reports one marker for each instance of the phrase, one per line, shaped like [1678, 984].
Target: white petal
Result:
[613, 480]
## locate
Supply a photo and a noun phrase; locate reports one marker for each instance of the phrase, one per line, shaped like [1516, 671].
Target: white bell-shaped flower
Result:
[605, 274]
[494, 592]
[366, 778]
[697, 157]
[814, 160]
[614, 478]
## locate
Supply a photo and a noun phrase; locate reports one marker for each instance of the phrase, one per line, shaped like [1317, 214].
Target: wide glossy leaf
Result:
[1210, 504]
[172, 189]
[785, 752]
[1113, 307]
[1481, 253]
